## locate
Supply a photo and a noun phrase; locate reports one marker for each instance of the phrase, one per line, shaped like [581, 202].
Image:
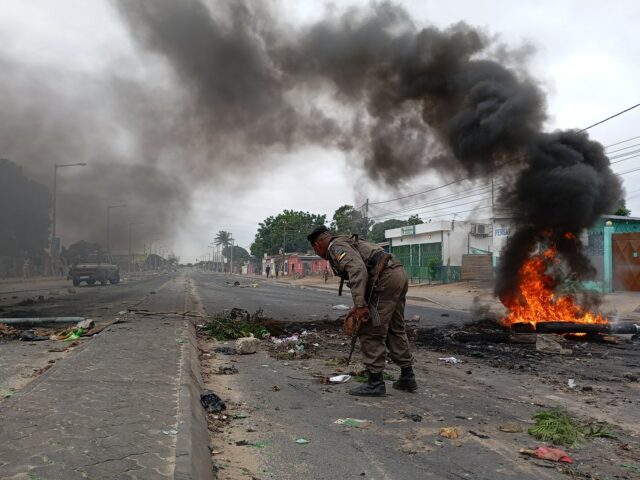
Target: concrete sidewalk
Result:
[126, 406]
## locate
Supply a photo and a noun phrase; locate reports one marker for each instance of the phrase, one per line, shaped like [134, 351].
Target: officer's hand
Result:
[361, 314]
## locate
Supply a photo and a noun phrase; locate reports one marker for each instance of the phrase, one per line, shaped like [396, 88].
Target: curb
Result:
[193, 458]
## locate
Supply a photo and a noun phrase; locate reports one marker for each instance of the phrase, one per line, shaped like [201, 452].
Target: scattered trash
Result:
[236, 283]
[571, 383]
[225, 350]
[71, 290]
[7, 394]
[41, 322]
[302, 441]
[438, 442]
[240, 415]
[511, 427]
[87, 324]
[235, 324]
[413, 416]
[227, 370]
[452, 360]
[275, 388]
[122, 312]
[260, 444]
[73, 335]
[449, 432]
[7, 331]
[548, 453]
[31, 336]
[340, 379]
[247, 345]
[415, 319]
[352, 422]
[548, 343]
[212, 402]
[479, 435]
[340, 307]
[242, 443]
[172, 431]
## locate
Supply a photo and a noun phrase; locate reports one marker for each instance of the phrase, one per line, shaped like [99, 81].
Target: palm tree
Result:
[223, 238]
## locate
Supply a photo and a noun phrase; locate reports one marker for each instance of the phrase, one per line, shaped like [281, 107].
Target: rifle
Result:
[374, 275]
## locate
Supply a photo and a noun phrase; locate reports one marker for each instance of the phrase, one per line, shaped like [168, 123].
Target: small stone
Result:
[511, 427]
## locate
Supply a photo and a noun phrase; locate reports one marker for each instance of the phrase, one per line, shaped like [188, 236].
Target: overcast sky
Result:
[586, 57]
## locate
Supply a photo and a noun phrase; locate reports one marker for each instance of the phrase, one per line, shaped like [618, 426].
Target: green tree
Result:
[24, 214]
[348, 221]
[621, 209]
[377, 231]
[239, 254]
[289, 229]
[414, 220]
[223, 238]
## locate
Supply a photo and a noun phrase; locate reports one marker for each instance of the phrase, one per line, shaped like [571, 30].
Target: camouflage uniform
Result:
[351, 259]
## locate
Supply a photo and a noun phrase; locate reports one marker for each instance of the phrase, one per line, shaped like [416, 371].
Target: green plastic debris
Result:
[302, 441]
[7, 394]
[75, 334]
[240, 415]
[352, 422]
[260, 444]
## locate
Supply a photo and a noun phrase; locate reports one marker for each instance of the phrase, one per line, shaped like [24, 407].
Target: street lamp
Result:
[131, 224]
[55, 195]
[123, 205]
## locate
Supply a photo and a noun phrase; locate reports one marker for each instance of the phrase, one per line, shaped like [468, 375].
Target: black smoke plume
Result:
[406, 99]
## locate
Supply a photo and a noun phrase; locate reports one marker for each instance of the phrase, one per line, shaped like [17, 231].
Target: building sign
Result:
[502, 232]
[408, 230]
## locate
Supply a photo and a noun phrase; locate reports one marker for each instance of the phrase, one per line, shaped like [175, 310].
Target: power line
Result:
[609, 118]
[622, 141]
[624, 154]
[466, 179]
[624, 148]
[625, 159]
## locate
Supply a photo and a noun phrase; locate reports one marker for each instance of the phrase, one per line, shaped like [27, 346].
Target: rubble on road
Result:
[246, 345]
[211, 402]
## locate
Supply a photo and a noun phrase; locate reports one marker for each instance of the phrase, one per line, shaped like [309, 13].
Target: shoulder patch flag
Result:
[340, 253]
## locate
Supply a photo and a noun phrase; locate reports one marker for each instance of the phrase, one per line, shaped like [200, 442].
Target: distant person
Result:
[325, 274]
[268, 270]
[277, 271]
[26, 268]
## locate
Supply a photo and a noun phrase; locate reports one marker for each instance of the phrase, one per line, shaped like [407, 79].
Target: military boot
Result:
[406, 381]
[374, 387]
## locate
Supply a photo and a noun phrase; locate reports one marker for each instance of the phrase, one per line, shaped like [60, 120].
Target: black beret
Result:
[319, 230]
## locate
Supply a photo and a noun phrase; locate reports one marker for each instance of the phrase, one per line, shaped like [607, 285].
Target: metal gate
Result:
[626, 261]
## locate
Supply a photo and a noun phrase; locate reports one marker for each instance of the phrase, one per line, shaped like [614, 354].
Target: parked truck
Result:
[94, 269]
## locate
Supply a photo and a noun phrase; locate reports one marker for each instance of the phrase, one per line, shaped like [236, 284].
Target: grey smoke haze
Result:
[401, 99]
[416, 98]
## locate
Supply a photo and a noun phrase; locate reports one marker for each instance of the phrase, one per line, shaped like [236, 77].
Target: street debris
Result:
[571, 383]
[171, 431]
[302, 441]
[7, 331]
[246, 345]
[227, 370]
[558, 427]
[452, 360]
[511, 427]
[449, 432]
[353, 422]
[225, 350]
[211, 402]
[549, 343]
[340, 379]
[235, 324]
[548, 453]
[275, 388]
[479, 435]
[340, 306]
[413, 416]
[32, 336]
[41, 322]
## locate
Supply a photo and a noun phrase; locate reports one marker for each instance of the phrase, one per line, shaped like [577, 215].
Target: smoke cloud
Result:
[401, 99]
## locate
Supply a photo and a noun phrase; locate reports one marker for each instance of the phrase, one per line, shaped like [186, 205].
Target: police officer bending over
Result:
[378, 285]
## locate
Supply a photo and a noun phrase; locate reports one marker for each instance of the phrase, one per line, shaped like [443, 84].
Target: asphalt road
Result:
[287, 302]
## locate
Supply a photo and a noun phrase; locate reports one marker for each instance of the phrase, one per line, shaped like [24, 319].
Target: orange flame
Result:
[536, 300]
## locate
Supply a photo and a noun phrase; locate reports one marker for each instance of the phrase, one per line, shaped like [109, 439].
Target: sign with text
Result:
[408, 230]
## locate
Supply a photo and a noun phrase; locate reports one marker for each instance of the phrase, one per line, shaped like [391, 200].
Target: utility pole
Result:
[284, 245]
[231, 267]
[131, 224]
[366, 216]
[109, 207]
